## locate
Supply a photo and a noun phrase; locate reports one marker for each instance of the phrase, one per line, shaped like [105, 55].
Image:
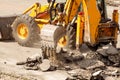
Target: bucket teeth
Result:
[50, 35]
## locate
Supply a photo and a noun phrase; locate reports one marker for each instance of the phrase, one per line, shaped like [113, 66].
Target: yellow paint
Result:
[41, 22]
[91, 19]
[30, 8]
[22, 31]
[87, 24]
[38, 9]
[62, 42]
[70, 10]
[94, 18]
[116, 16]
[78, 30]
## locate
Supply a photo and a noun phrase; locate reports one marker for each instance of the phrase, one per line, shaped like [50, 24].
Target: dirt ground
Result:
[15, 7]
[11, 52]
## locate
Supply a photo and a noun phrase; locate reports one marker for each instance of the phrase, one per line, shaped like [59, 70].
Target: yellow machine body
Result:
[39, 9]
[79, 22]
[34, 17]
[92, 27]
[42, 11]
[90, 19]
[89, 28]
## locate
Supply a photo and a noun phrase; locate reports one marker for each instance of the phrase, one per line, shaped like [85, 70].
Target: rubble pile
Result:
[100, 65]
[32, 62]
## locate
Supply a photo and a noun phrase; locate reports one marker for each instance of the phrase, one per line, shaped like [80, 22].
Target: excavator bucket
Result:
[5, 27]
[50, 35]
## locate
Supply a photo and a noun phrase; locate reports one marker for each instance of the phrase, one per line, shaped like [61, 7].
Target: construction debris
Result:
[32, 63]
[109, 73]
[110, 55]
[45, 65]
[89, 64]
[94, 67]
[78, 74]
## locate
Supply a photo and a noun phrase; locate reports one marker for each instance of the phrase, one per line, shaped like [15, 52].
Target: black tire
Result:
[5, 27]
[71, 37]
[33, 31]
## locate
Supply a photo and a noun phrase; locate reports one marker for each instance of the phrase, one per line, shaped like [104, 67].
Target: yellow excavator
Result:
[26, 27]
[66, 26]
[80, 22]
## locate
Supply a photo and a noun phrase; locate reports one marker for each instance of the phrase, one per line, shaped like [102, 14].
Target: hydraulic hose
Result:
[51, 8]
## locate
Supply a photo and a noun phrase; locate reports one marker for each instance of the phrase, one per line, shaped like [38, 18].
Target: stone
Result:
[91, 64]
[45, 65]
[112, 50]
